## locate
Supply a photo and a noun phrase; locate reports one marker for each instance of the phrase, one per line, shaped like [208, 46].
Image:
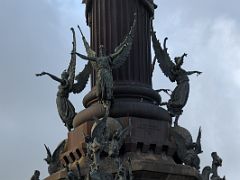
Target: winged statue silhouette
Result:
[65, 108]
[104, 64]
[175, 72]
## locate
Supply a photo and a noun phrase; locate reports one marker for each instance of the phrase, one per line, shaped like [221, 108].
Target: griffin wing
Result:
[126, 46]
[198, 148]
[82, 79]
[49, 154]
[72, 64]
[162, 56]
[58, 151]
[90, 52]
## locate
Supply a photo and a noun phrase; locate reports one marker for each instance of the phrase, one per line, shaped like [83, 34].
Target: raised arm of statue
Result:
[51, 76]
[86, 57]
[194, 72]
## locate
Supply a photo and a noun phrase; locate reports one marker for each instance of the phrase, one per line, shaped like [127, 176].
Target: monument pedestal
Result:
[145, 166]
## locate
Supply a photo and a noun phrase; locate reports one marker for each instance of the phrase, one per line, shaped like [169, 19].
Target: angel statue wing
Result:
[82, 79]
[162, 56]
[72, 64]
[122, 52]
[90, 52]
[198, 147]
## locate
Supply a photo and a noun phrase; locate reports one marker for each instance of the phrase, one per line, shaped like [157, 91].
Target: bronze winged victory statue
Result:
[65, 108]
[174, 72]
[104, 64]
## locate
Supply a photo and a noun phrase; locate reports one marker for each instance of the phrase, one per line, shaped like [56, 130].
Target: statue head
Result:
[64, 74]
[101, 51]
[216, 159]
[179, 60]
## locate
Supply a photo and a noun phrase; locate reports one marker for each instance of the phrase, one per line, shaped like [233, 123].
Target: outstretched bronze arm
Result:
[51, 76]
[85, 57]
[194, 72]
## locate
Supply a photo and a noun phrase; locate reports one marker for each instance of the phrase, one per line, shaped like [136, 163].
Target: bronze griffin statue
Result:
[174, 72]
[106, 140]
[65, 108]
[187, 150]
[53, 159]
[104, 64]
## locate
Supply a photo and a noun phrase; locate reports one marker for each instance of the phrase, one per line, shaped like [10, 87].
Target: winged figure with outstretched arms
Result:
[65, 108]
[175, 72]
[104, 64]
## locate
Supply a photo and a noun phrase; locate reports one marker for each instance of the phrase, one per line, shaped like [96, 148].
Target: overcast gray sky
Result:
[35, 36]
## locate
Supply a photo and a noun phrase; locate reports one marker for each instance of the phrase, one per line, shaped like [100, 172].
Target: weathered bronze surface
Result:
[65, 108]
[174, 72]
[53, 160]
[216, 163]
[123, 133]
[187, 150]
[36, 175]
[104, 64]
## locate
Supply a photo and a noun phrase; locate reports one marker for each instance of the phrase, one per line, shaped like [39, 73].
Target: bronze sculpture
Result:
[187, 150]
[216, 163]
[107, 137]
[174, 72]
[157, 150]
[36, 175]
[104, 64]
[65, 108]
[124, 173]
[206, 173]
[53, 159]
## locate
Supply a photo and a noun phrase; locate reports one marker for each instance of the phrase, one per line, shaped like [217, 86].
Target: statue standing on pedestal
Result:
[65, 108]
[174, 72]
[104, 64]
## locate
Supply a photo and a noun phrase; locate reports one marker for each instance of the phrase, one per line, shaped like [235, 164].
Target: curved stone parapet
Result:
[122, 109]
[130, 91]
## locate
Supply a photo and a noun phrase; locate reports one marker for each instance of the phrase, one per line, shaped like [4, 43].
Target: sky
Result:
[35, 36]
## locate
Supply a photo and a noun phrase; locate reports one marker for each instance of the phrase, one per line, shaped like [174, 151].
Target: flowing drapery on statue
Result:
[174, 72]
[103, 64]
[65, 108]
